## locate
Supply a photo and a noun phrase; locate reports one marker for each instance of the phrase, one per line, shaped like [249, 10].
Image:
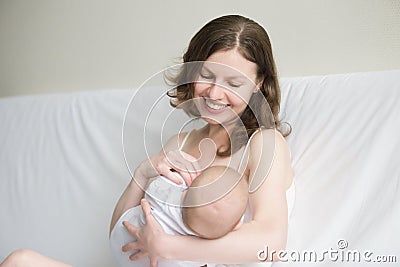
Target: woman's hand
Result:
[148, 238]
[168, 164]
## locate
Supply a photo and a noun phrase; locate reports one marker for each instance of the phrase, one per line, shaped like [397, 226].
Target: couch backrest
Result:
[62, 165]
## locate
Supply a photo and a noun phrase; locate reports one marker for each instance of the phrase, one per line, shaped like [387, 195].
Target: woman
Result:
[240, 44]
[243, 45]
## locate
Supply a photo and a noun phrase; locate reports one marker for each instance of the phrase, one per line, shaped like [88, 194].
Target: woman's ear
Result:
[260, 83]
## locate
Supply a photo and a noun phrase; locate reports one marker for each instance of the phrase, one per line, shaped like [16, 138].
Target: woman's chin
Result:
[226, 123]
[211, 121]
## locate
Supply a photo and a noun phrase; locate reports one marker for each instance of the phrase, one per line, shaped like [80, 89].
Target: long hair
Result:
[252, 42]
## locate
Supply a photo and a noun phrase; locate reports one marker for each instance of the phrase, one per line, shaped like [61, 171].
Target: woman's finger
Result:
[183, 164]
[167, 172]
[197, 168]
[133, 230]
[153, 262]
[165, 169]
[191, 166]
[172, 159]
[138, 256]
[151, 223]
[186, 177]
[130, 247]
[190, 175]
[193, 171]
[147, 211]
[179, 159]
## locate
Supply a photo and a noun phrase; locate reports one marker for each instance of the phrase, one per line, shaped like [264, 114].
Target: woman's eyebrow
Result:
[207, 69]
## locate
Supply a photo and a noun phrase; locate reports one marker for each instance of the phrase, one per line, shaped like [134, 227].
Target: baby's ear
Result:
[238, 225]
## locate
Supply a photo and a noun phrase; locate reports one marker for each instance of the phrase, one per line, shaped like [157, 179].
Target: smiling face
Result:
[244, 45]
[225, 84]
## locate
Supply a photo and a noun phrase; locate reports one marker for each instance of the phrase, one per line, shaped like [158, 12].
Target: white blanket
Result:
[62, 168]
[345, 152]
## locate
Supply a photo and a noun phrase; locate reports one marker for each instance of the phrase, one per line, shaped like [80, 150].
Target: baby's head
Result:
[224, 211]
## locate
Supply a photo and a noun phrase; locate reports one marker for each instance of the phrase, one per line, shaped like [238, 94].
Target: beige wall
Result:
[68, 45]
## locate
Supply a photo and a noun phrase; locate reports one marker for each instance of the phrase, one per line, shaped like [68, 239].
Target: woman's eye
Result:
[206, 76]
[235, 85]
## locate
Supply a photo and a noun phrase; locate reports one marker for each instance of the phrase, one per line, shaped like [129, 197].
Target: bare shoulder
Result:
[174, 141]
[265, 137]
[270, 153]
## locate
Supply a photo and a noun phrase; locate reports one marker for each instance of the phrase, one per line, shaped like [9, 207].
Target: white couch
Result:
[62, 167]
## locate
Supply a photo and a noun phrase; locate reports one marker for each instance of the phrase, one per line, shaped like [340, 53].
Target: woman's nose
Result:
[216, 91]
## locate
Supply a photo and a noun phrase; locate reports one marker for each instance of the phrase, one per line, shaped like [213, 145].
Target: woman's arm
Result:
[131, 197]
[134, 192]
[146, 170]
[267, 228]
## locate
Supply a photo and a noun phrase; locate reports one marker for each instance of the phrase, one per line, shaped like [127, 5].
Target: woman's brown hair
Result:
[252, 41]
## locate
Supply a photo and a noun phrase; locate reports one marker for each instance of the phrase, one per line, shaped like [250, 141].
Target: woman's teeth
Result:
[214, 106]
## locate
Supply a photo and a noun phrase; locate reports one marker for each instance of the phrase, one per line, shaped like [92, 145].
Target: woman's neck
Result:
[217, 133]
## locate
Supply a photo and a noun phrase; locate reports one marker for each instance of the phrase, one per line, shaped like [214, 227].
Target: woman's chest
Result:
[237, 161]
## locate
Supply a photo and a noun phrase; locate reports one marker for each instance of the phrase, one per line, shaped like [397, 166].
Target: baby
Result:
[196, 210]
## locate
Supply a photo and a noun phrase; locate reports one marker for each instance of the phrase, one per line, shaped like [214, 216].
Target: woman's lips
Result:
[213, 107]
